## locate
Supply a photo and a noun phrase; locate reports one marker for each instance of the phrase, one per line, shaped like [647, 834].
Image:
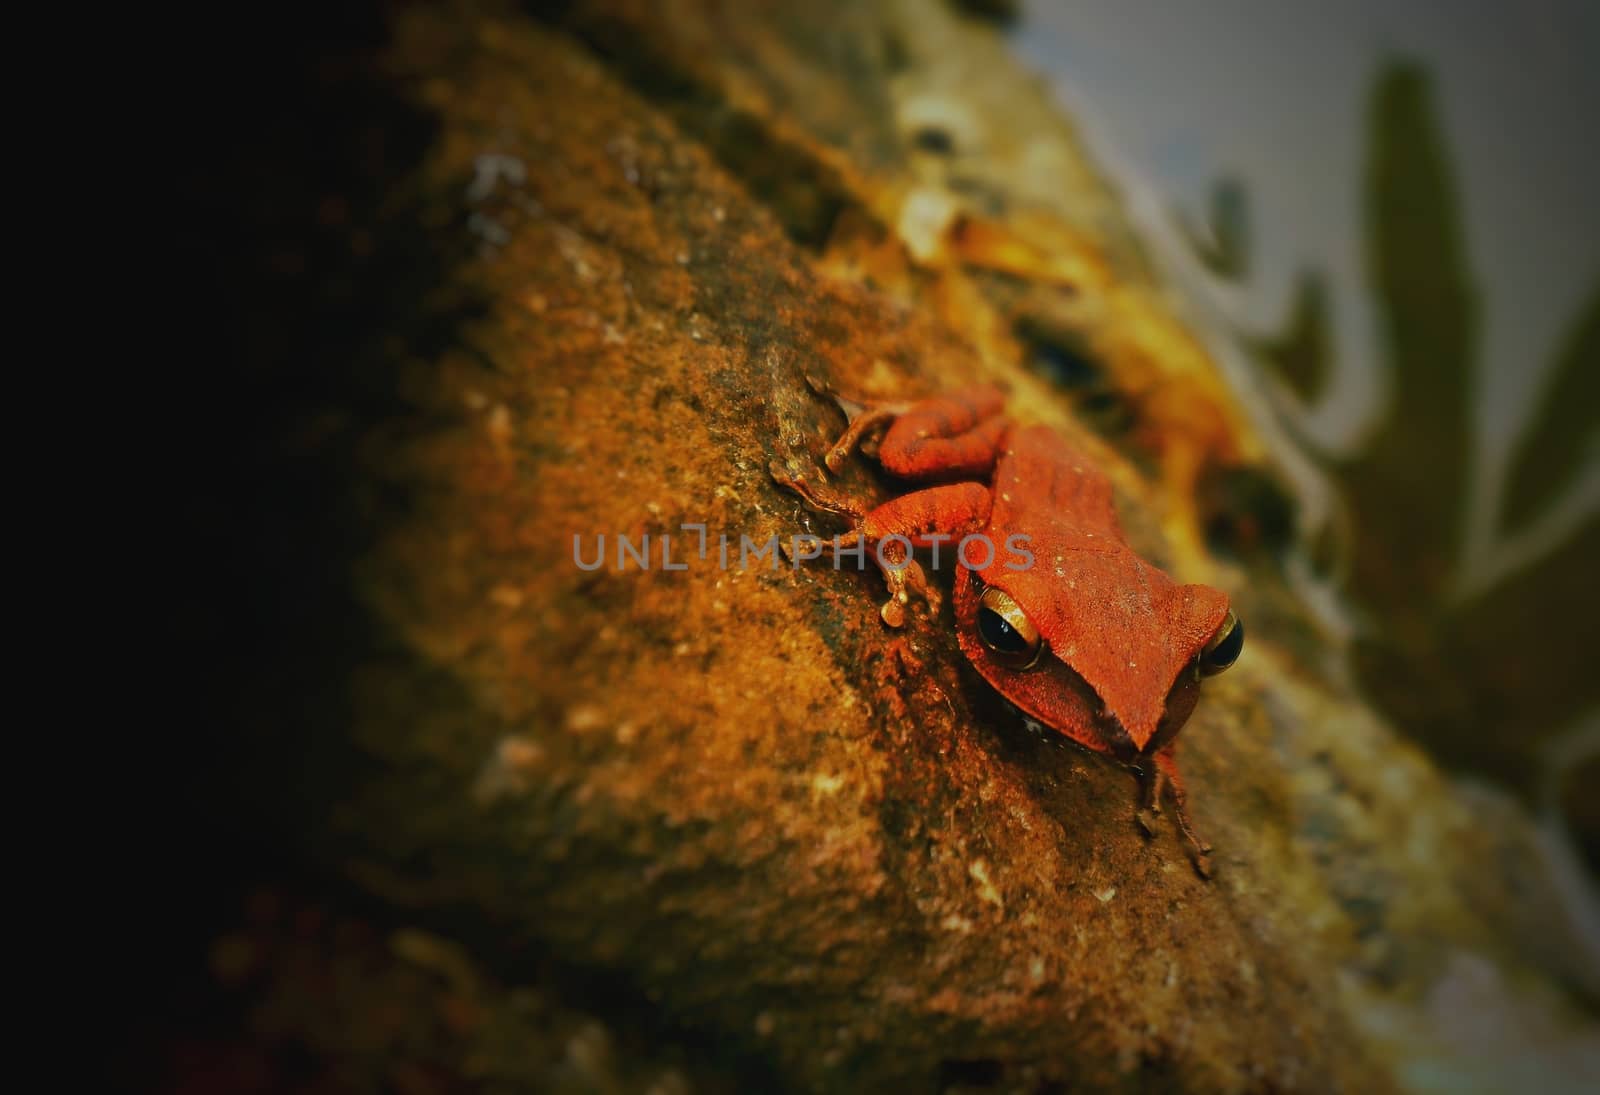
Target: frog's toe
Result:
[916, 581]
[1199, 850]
[787, 473]
[813, 487]
[863, 421]
[1149, 819]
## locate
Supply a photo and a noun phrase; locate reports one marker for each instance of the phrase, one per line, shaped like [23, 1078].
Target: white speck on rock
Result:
[979, 870]
[585, 717]
[824, 784]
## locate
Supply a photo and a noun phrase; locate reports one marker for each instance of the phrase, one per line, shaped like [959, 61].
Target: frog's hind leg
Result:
[954, 436]
[1160, 779]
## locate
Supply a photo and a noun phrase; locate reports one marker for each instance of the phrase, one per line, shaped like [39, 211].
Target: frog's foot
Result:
[859, 427]
[1199, 850]
[816, 491]
[864, 418]
[903, 581]
[904, 577]
[1158, 780]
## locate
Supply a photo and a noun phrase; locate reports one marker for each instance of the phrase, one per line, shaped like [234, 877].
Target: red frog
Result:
[1088, 639]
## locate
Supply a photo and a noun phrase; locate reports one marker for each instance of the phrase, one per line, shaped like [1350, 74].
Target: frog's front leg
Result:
[929, 519]
[1159, 778]
[926, 519]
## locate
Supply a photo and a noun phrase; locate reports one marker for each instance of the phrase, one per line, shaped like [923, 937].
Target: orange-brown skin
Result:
[1118, 670]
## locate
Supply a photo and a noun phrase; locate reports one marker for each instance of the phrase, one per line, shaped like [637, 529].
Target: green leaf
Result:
[1565, 429]
[1407, 483]
[1224, 248]
[1302, 351]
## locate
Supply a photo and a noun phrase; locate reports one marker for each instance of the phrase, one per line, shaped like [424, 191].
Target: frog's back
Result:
[1042, 482]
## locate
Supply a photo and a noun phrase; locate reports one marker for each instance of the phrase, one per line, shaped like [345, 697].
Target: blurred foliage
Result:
[1408, 483]
[1484, 680]
[1224, 245]
[1301, 354]
[1564, 431]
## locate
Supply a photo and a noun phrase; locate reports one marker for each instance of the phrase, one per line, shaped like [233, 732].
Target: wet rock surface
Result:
[815, 843]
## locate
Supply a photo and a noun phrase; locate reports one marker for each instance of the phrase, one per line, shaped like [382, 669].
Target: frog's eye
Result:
[1224, 647]
[1006, 630]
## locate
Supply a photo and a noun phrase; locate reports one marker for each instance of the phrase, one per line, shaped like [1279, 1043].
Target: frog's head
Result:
[1103, 648]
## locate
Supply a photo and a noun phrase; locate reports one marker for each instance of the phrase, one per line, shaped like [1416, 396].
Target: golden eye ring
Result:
[1006, 631]
[1223, 649]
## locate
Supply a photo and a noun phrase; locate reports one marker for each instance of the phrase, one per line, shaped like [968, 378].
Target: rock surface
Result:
[731, 787]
